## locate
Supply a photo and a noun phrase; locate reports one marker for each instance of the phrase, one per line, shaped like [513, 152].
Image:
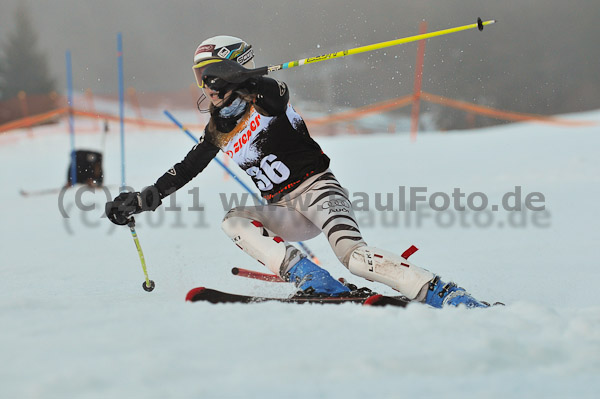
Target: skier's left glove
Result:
[227, 75]
[120, 210]
[248, 89]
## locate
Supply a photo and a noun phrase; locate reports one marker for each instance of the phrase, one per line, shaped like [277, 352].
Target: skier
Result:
[253, 123]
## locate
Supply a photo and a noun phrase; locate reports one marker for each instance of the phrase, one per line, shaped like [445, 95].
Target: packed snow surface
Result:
[77, 324]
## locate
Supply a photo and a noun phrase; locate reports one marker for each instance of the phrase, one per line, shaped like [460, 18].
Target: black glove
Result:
[125, 205]
[249, 87]
[227, 75]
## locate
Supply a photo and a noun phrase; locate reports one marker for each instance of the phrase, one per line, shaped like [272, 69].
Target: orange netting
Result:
[157, 100]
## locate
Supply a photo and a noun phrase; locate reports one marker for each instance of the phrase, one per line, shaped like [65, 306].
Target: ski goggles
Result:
[200, 67]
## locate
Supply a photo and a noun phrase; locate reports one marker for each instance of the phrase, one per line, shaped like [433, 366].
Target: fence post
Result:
[414, 125]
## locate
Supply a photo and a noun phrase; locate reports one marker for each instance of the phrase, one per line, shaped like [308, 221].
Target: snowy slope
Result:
[76, 323]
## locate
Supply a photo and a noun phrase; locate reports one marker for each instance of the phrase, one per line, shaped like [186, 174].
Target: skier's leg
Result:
[330, 209]
[390, 269]
[416, 283]
[326, 204]
[263, 233]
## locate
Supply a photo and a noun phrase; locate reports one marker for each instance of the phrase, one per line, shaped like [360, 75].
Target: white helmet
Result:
[227, 47]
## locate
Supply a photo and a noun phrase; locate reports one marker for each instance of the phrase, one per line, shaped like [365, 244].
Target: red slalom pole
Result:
[414, 126]
[256, 275]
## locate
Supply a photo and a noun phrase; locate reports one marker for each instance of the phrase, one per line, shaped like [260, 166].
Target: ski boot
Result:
[440, 294]
[314, 281]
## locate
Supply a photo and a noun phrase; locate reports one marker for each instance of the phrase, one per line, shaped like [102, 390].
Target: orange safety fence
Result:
[40, 108]
[33, 120]
[499, 114]
[344, 116]
[363, 111]
[400, 102]
[132, 121]
[47, 116]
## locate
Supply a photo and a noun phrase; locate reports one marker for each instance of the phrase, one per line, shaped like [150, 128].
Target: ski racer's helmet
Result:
[219, 47]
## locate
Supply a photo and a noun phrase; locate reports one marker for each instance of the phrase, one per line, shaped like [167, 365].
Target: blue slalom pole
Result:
[71, 119]
[230, 172]
[121, 106]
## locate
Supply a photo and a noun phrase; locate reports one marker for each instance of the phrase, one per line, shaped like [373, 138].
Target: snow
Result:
[76, 322]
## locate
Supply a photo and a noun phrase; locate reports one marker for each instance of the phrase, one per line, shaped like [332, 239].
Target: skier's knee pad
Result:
[254, 239]
[344, 253]
[390, 269]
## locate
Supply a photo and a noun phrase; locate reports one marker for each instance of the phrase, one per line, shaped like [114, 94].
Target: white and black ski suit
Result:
[271, 143]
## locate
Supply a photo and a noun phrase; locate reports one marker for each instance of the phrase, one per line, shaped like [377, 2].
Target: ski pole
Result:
[148, 285]
[363, 49]
[377, 46]
[228, 170]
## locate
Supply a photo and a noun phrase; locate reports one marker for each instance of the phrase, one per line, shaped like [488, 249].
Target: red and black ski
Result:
[214, 296]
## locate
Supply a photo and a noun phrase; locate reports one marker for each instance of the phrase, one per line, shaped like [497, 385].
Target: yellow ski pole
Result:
[147, 285]
[246, 73]
[377, 46]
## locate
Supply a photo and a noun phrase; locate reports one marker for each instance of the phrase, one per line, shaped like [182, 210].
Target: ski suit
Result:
[269, 140]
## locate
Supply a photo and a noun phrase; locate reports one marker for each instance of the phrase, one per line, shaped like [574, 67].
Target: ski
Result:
[203, 294]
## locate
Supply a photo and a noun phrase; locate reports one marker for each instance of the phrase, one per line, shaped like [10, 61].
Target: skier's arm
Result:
[180, 174]
[269, 95]
[127, 204]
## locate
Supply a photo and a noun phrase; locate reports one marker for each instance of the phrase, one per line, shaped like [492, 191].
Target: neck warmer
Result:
[236, 108]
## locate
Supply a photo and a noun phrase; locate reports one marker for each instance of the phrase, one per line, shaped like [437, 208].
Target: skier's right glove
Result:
[120, 210]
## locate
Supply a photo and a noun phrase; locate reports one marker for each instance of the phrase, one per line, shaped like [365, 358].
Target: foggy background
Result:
[541, 57]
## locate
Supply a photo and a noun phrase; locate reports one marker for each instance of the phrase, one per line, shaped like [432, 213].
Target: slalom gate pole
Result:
[377, 46]
[71, 119]
[148, 285]
[121, 105]
[232, 174]
[416, 103]
[236, 271]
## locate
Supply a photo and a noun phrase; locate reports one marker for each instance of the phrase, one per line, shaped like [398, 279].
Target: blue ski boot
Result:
[441, 294]
[313, 280]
